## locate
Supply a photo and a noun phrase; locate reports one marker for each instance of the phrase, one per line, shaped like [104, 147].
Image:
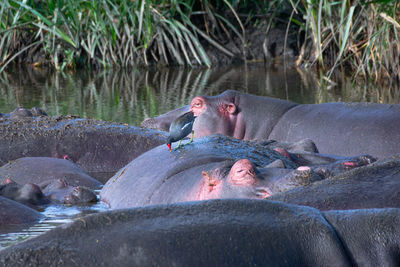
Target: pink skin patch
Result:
[350, 164]
[283, 152]
[242, 173]
[210, 188]
[65, 157]
[262, 192]
[198, 106]
[303, 168]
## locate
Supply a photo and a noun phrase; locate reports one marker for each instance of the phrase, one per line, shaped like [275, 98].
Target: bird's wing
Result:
[187, 127]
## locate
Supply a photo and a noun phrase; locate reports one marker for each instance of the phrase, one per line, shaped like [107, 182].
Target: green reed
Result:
[360, 37]
[114, 33]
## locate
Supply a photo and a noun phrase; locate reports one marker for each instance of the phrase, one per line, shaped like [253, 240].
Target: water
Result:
[54, 215]
[131, 96]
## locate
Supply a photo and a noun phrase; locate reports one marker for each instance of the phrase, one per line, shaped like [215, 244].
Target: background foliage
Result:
[359, 37]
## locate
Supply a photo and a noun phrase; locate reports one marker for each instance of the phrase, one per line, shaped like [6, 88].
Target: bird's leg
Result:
[179, 144]
[191, 139]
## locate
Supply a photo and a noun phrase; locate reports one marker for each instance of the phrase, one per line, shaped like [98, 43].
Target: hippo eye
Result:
[197, 104]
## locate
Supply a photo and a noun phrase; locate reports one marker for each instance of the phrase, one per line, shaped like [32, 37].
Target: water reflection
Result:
[54, 215]
[130, 96]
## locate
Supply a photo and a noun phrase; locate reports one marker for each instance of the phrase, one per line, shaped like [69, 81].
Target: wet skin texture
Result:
[27, 194]
[373, 186]
[336, 128]
[39, 180]
[211, 167]
[55, 191]
[218, 233]
[12, 212]
[40, 170]
[60, 191]
[99, 148]
[177, 176]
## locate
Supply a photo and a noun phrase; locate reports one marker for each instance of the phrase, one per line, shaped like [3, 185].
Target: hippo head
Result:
[80, 194]
[238, 180]
[214, 115]
[242, 179]
[32, 194]
[20, 113]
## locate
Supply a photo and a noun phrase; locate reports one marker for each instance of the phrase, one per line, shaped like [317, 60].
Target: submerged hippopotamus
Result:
[52, 191]
[23, 113]
[60, 191]
[376, 185]
[218, 233]
[40, 170]
[27, 194]
[216, 166]
[14, 213]
[336, 128]
[99, 148]
[39, 180]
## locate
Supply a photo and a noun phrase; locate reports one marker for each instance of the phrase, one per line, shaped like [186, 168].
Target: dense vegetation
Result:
[361, 37]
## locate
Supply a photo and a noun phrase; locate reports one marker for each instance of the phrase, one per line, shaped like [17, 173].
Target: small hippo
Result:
[14, 213]
[60, 191]
[28, 194]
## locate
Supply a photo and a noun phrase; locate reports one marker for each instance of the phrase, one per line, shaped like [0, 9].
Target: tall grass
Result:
[360, 37]
[115, 33]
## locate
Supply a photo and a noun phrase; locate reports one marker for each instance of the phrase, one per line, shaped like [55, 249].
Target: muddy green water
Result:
[131, 96]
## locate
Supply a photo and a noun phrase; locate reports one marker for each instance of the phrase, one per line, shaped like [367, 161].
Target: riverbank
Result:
[358, 37]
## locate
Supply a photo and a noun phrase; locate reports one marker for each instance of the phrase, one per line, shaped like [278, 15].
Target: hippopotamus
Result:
[99, 148]
[27, 194]
[14, 213]
[215, 166]
[218, 233]
[22, 113]
[40, 170]
[60, 191]
[344, 129]
[376, 185]
[51, 191]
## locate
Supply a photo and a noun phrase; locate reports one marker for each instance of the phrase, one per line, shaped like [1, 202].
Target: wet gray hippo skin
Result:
[27, 194]
[373, 186]
[39, 170]
[60, 191]
[216, 166]
[12, 212]
[336, 128]
[56, 191]
[99, 148]
[218, 233]
[177, 176]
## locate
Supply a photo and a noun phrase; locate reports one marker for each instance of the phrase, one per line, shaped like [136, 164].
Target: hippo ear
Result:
[230, 108]
[10, 181]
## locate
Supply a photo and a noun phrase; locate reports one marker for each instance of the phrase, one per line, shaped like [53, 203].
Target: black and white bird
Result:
[180, 128]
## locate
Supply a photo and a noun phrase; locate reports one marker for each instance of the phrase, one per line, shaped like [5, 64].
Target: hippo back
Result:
[343, 128]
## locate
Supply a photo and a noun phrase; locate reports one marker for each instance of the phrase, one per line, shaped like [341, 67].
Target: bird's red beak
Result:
[169, 146]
